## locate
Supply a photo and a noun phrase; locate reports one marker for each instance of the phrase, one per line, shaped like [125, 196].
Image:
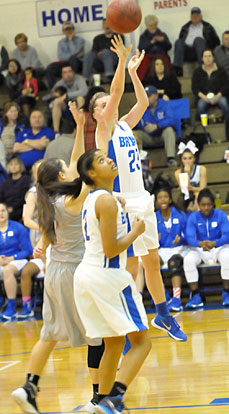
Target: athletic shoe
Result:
[174, 304]
[195, 302]
[169, 325]
[25, 397]
[111, 405]
[90, 406]
[225, 298]
[26, 311]
[10, 311]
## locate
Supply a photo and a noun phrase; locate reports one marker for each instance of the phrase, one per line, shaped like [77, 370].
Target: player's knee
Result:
[175, 265]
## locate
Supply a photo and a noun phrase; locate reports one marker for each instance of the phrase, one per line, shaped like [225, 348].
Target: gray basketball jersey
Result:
[69, 246]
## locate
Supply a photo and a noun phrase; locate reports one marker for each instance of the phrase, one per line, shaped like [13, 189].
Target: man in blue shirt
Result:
[30, 143]
[157, 125]
[207, 233]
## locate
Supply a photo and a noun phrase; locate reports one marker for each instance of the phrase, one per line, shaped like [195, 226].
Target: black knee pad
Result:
[94, 355]
[175, 265]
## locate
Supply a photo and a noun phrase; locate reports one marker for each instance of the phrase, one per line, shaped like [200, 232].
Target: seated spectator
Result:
[62, 146]
[29, 92]
[167, 84]
[76, 88]
[209, 79]
[221, 53]
[194, 37]
[207, 234]
[10, 124]
[70, 50]
[171, 224]
[157, 125]
[30, 143]
[14, 79]
[89, 126]
[155, 43]
[101, 58]
[35, 266]
[14, 252]
[14, 188]
[4, 58]
[195, 178]
[26, 55]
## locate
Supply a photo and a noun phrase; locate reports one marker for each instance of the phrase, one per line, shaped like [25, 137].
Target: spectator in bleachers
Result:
[90, 126]
[196, 175]
[61, 147]
[30, 143]
[157, 125]
[14, 188]
[155, 43]
[15, 248]
[221, 53]
[10, 124]
[35, 266]
[100, 57]
[70, 50]
[76, 88]
[167, 84]
[29, 92]
[210, 79]
[14, 79]
[26, 55]
[4, 58]
[207, 234]
[194, 37]
[171, 224]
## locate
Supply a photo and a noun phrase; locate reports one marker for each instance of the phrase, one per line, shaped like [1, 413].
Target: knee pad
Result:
[175, 265]
[94, 355]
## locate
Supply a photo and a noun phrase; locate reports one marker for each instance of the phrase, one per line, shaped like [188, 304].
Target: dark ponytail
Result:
[48, 187]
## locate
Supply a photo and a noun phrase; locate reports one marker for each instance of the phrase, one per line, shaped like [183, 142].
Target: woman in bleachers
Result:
[171, 224]
[207, 234]
[14, 79]
[14, 188]
[195, 178]
[35, 266]
[210, 85]
[10, 124]
[15, 247]
[167, 84]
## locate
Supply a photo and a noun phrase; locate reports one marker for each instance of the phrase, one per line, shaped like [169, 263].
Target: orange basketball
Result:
[123, 16]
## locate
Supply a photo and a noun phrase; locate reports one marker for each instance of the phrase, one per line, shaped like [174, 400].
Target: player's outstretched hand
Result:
[118, 47]
[135, 61]
[138, 225]
[78, 114]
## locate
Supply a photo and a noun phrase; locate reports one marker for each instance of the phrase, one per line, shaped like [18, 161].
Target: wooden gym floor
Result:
[177, 378]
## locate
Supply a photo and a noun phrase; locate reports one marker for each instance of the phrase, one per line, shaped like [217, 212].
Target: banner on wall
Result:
[87, 15]
[170, 5]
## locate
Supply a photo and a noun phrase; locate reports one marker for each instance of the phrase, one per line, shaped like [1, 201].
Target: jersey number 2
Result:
[134, 162]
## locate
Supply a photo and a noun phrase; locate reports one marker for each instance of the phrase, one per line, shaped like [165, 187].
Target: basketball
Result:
[123, 16]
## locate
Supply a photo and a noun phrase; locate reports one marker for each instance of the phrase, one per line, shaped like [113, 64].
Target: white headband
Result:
[190, 145]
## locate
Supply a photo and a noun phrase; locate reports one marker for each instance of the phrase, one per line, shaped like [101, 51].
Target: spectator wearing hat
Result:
[194, 37]
[26, 55]
[69, 49]
[221, 53]
[155, 43]
[157, 125]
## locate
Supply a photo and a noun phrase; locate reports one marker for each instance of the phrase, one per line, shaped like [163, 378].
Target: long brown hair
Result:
[6, 108]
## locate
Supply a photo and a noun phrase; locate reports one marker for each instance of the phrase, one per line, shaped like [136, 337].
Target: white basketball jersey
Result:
[123, 150]
[94, 254]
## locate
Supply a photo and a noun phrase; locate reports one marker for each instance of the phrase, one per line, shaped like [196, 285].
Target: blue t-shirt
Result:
[15, 241]
[30, 157]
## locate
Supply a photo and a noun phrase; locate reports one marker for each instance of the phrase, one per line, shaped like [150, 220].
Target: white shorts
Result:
[143, 207]
[19, 264]
[39, 263]
[166, 253]
[108, 302]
